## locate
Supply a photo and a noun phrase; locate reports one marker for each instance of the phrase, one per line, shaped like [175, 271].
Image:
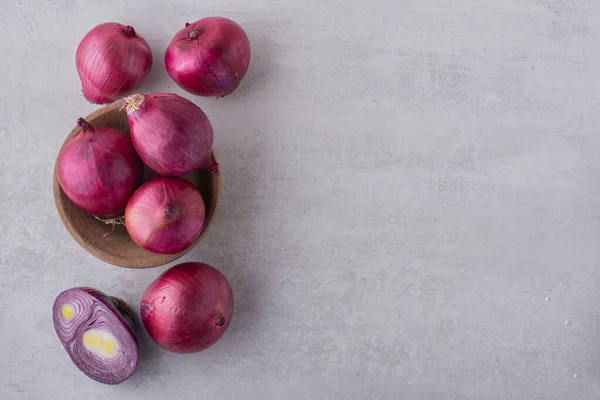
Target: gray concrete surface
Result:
[410, 210]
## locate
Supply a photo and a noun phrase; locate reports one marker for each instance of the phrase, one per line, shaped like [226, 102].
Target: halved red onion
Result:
[97, 332]
[165, 215]
[188, 308]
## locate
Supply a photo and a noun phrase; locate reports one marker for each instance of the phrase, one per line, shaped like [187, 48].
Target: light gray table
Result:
[410, 210]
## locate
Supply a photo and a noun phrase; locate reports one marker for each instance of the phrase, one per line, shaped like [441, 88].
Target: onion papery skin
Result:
[165, 215]
[188, 308]
[112, 61]
[209, 57]
[99, 170]
[171, 134]
[94, 311]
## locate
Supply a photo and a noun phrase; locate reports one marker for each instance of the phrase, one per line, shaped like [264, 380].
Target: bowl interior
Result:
[112, 243]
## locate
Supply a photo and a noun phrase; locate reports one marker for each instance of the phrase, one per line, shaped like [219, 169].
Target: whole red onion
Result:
[96, 330]
[209, 57]
[188, 308]
[99, 170]
[112, 61]
[172, 135]
[165, 215]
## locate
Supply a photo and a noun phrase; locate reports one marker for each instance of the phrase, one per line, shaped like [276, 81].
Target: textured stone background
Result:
[405, 183]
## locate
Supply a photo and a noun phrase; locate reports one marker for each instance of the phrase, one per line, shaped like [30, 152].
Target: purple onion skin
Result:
[209, 57]
[97, 312]
[112, 61]
[171, 134]
[99, 170]
[165, 215]
[188, 308]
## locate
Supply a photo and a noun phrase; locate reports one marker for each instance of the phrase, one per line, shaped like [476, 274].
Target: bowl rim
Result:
[155, 259]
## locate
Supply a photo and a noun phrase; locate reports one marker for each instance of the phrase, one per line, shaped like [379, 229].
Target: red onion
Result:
[172, 135]
[112, 61]
[165, 215]
[209, 57]
[188, 308]
[97, 333]
[99, 170]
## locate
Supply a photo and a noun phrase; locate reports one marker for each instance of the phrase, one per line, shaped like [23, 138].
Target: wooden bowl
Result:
[112, 243]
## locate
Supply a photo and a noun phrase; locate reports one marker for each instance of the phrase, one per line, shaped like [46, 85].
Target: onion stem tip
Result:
[133, 103]
[84, 125]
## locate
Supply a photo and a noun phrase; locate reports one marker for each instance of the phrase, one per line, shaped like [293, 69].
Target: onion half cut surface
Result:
[96, 330]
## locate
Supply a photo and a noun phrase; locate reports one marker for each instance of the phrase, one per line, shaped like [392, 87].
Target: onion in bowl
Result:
[99, 170]
[171, 134]
[165, 215]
